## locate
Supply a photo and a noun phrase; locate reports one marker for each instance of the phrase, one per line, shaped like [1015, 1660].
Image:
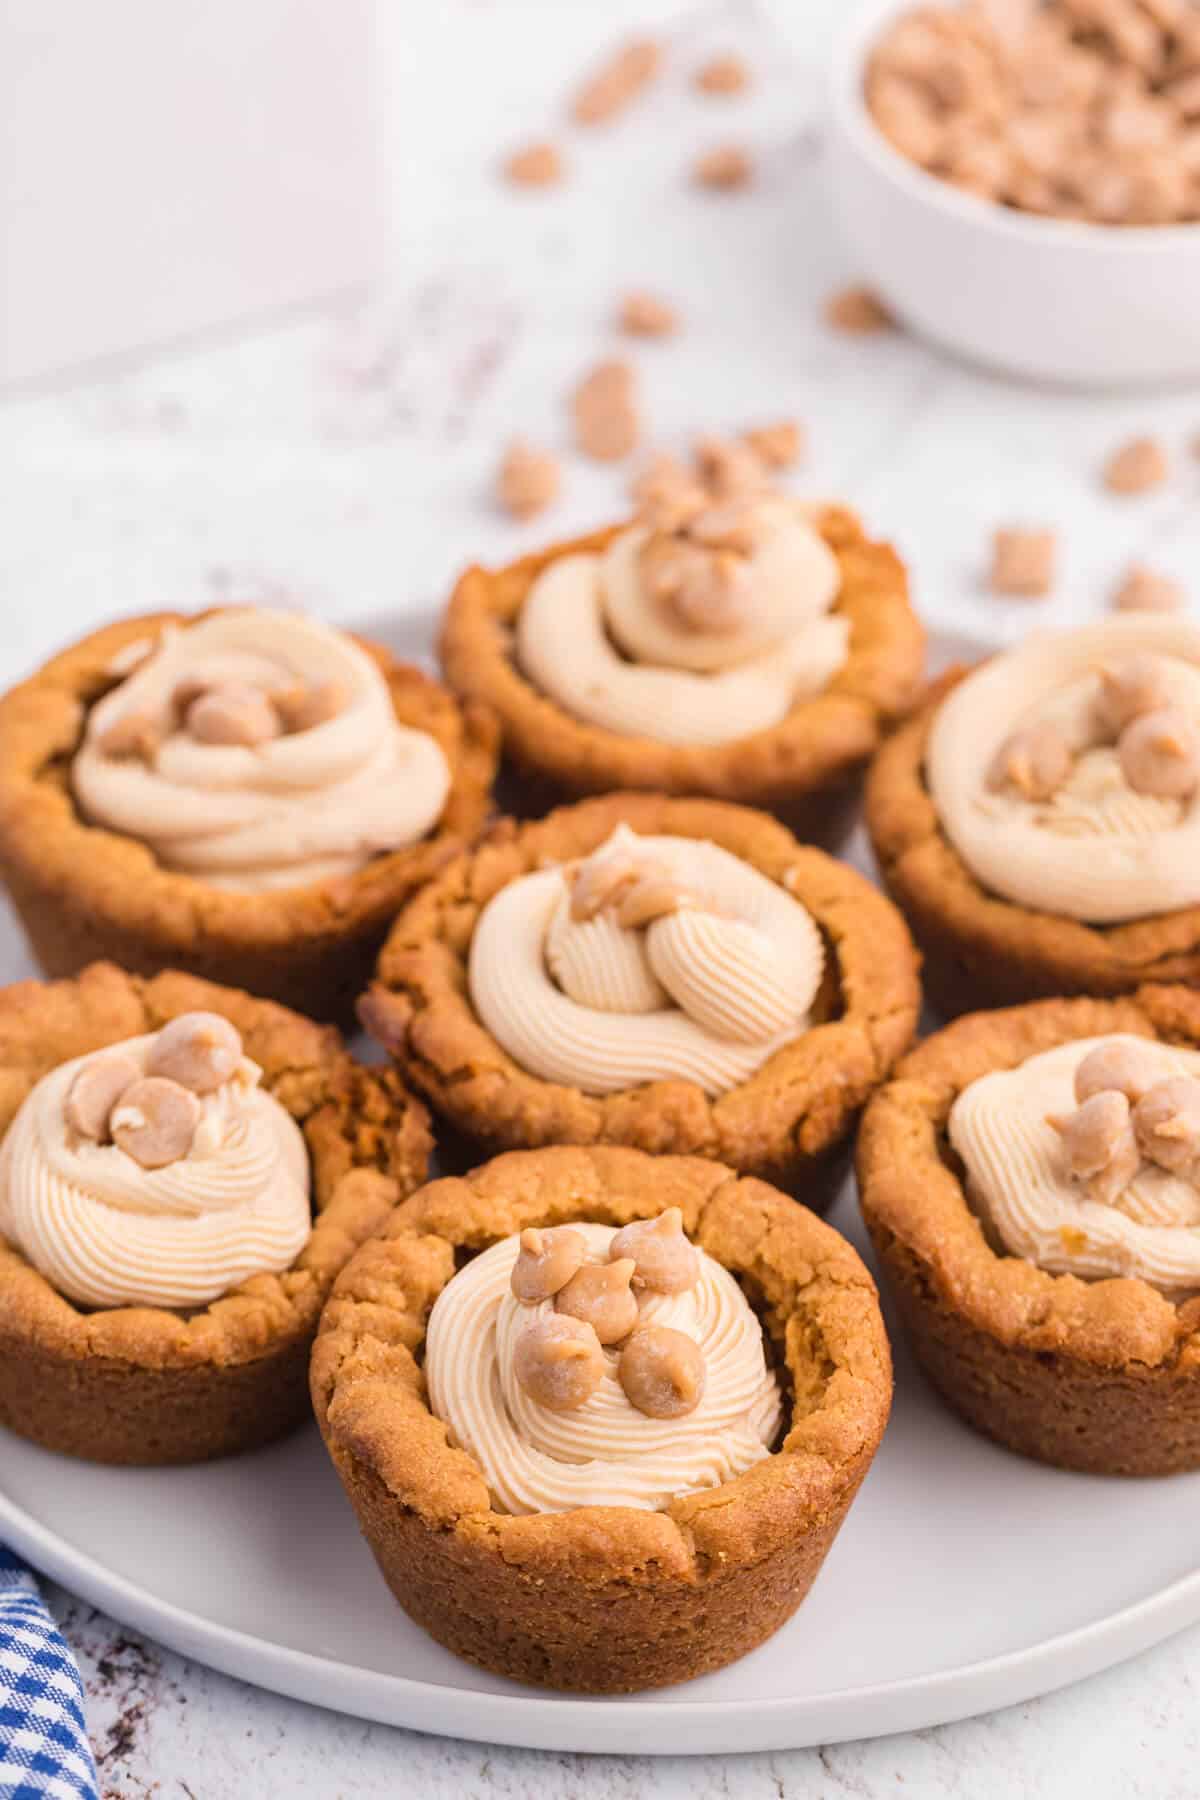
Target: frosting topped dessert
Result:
[654, 958]
[1067, 772]
[258, 749]
[705, 621]
[588, 1366]
[155, 1172]
[1085, 1159]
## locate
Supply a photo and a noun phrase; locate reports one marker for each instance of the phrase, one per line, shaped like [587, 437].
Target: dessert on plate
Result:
[246, 794]
[746, 646]
[600, 1414]
[673, 975]
[1038, 821]
[1031, 1181]
[183, 1171]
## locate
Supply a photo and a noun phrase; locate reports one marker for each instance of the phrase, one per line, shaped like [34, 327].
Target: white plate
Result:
[964, 1579]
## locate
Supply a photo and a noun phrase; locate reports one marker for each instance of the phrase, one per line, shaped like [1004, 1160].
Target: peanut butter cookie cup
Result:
[244, 794]
[184, 1170]
[674, 975]
[713, 1353]
[1031, 1181]
[1038, 822]
[745, 648]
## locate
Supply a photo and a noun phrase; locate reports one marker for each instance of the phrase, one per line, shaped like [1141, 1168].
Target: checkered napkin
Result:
[44, 1753]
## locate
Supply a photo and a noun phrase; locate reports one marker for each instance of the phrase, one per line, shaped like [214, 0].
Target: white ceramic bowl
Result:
[1050, 299]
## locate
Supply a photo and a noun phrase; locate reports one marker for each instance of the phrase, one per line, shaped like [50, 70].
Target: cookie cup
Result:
[805, 767]
[140, 1384]
[601, 1599]
[787, 1124]
[1097, 1375]
[979, 949]
[85, 893]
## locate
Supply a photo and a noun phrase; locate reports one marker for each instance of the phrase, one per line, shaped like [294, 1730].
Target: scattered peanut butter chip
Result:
[236, 714]
[728, 467]
[600, 1294]
[652, 897]
[726, 167]
[155, 1121]
[1144, 590]
[1160, 754]
[1166, 1122]
[858, 311]
[605, 412]
[558, 1361]
[95, 1091]
[667, 495]
[1023, 559]
[199, 1050]
[1035, 760]
[645, 315]
[726, 73]
[666, 1262]
[662, 1372]
[1128, 1069]
[546, 1262]
[1130, 686]
[617, 83]
[1136, 467]
[777, 446]
[134, 738]
[534, 165]
[304, 707]
[527, 480]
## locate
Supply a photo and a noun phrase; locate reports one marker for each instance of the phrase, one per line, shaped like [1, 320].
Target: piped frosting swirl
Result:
[107, 1230]
[689, 640]
[654, 959]
[1066, 773]
[258, 749]
[1086, 1193]
[604, 1451]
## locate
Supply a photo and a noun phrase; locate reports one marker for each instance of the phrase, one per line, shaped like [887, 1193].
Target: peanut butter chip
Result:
[667, 496]
[730, 525]
[1099, 1144]
[1035, 760]
[1022, 561]
[645, 315]
[199, 1050]
[535, 165]
[722, 75]
[778, 446]
[859, 312]
[546, 1262]
[662, 1372]
[1119, 1068]
[618, 83]
[600, 1294]
[304, 707]
[1130, 687]
[596, 882]
[527, 480]
[729, 468]
[1144, 590]
[136, 737]
[605, 413]
[701, 590]
[1136, 467]
[155, 1121]
[651, 897]
[1160, 754]
[666, 1262]
[235, 714]
[724, 169]
[95, 1091]
[558, 1361]
[1166, 1122]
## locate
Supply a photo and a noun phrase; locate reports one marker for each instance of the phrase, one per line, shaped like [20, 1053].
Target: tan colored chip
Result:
[617, 83]
[527, 480]
[605, 413]
[1136, 467]
[536, 165]
[778, 446]
[1144, 590]
[1023, 561]
[858, 311]
[645, 315]
[727, 73]
[725, 168]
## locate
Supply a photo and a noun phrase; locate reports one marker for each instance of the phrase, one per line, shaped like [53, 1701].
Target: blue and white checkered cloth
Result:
[44, 1753]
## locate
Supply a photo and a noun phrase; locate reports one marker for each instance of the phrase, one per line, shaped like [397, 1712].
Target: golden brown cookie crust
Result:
[144, 1385]
[786, 1124]
[979, 949]
[601, 1599]
[85, 893]
[1096, 1375]
[820, 745]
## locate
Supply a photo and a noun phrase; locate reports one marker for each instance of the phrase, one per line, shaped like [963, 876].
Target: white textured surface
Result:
[345, 460]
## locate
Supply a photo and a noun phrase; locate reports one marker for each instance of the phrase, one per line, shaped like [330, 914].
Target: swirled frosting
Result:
[1017, 1178]
[300, 807]
[591, 635]
[1095, 849]
[606, 1453]
[706, 992]
[107, 1232]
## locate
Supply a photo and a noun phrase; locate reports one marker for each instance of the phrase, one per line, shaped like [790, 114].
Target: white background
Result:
[343, 460]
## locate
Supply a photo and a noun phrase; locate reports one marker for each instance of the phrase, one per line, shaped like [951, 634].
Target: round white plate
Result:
[964, 1579]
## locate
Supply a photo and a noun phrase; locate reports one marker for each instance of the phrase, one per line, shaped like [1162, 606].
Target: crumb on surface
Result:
[528, 480]
[604, 412]
[777, 446]
[725, 168]
[1136, 467]
[535, 165]
[1143, 589]
[1023, 560]
[617, 82]
[725, 73]
[858, 311]
[645, 315]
